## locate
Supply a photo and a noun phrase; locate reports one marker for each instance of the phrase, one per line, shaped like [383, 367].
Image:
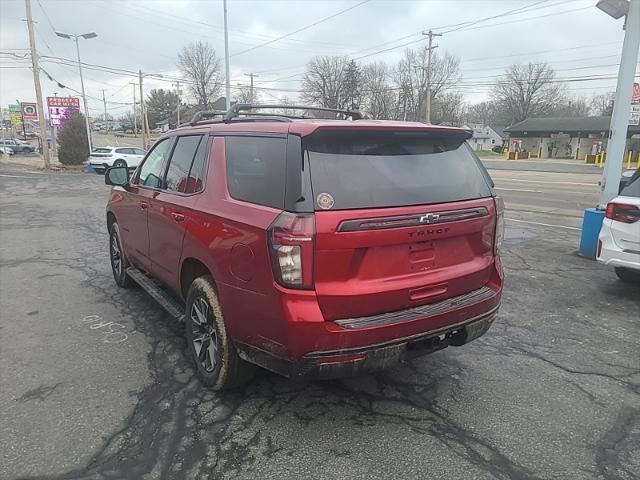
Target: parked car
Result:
[619, 240]
[312, 248]
[18, 146]
[102, 158]
[6, 150]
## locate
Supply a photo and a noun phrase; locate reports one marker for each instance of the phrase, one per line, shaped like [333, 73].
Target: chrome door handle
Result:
[178, 217]
[144, 205]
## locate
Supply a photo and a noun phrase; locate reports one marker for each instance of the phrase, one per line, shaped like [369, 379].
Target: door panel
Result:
[169, 217]
[132, 218]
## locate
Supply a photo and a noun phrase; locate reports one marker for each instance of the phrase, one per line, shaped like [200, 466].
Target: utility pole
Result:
[84, 97]
[226, 58]
[135, 117]
[104, 101]
[178, 92]
[621, 105]
[251, 75]
[142, 112]
[36, 81]
[431, 47]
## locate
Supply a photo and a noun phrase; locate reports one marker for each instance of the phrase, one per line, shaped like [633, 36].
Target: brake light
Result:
[499, 235]
[623, 212]
[291, 244]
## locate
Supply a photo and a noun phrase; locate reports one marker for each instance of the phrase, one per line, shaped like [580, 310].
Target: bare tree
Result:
[602, 104]
[573, 107]
[448, 108]
[485, 113]
[379, 98]
[200, 65]
[322, 83]
[410, 75]
[247, 95]
[528, 91]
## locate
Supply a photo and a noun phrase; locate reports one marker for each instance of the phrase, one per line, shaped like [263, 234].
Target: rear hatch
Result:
[402, 219]
[100, 154]
[625, 211]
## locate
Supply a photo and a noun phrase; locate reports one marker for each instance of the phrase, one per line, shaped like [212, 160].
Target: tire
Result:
[211, 349]
[118, 259]
[120, 163]
[628, 275]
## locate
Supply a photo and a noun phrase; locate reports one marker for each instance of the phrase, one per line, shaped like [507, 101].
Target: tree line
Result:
[391, 91]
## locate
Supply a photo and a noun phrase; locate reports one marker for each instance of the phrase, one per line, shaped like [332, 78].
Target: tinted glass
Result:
[152, 168]
[632, 189]
[102, 150]
[195, 182]
[123, 151]
[180, 164]
[139, 151]
[369, 170]
[255, 169]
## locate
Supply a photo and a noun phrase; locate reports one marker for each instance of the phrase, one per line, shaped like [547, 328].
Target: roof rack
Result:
[239, 108]
[206, 115]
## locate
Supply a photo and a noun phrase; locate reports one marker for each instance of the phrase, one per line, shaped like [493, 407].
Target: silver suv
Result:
[104, 157]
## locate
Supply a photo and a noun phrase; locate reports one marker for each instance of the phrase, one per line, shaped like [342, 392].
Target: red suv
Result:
[313, 248]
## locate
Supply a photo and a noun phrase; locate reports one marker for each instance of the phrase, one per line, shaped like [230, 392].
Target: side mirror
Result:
[117, 176]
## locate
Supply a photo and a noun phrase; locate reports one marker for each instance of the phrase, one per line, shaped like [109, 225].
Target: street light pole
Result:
[84, 96]
[86, 36]
[622, 104]
[226, 58]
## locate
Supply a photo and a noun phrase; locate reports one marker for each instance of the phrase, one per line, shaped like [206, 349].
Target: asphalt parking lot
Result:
[94, 383]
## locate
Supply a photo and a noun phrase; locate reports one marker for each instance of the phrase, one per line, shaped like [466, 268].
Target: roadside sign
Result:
[60, 107]
[634, 118]
[29, 111]
[14, 114]
[635, 96]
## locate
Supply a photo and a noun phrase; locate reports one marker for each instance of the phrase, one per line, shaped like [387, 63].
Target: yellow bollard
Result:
[528, 155]
[586, 156]
[629, 155]
[516, 156]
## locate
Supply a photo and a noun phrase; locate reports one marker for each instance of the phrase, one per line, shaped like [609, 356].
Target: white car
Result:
[6, 150]
[102, 158]
[619, 240]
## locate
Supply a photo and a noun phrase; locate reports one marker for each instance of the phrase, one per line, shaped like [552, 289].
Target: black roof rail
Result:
[206, 115]
[238, 108]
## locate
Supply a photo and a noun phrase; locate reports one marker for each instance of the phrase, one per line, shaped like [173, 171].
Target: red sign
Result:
[29, 111]
[635, 97]
[71, 102]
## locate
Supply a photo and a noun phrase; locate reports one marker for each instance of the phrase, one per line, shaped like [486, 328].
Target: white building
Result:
[487, 137]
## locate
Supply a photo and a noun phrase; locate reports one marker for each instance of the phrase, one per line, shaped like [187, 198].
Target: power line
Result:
[301, 29]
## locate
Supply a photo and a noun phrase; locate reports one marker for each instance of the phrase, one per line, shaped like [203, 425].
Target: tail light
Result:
[499, 235]
[291, 243]
[623, 212]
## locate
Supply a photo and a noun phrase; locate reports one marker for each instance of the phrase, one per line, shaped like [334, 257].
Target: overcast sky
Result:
[575, 37]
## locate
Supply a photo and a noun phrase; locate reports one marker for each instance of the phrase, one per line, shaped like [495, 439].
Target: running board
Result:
[158, 293]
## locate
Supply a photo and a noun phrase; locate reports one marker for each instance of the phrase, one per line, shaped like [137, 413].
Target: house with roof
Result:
[487, 137]
[566, 137]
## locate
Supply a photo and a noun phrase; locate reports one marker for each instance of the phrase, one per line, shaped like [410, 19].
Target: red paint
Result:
[346, 274]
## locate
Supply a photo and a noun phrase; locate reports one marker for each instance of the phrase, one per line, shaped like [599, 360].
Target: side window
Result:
[153, 166]
[180, 163]
[195, 182]
[122, 151]
[138, 151]
[256, 169]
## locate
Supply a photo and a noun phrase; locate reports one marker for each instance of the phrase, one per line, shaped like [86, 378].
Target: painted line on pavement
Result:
[16, 176]
[518, 190]
[545, 182]
[543, 224]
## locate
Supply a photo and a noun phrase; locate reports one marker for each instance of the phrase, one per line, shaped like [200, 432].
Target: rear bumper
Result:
[614, 256]
[348, 362]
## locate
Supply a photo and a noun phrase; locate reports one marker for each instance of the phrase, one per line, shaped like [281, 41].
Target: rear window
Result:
[255, 169]
[633, 188]
[102, 150]
[391, 169]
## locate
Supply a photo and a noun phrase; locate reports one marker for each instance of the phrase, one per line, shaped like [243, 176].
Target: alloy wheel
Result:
[204, 334]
